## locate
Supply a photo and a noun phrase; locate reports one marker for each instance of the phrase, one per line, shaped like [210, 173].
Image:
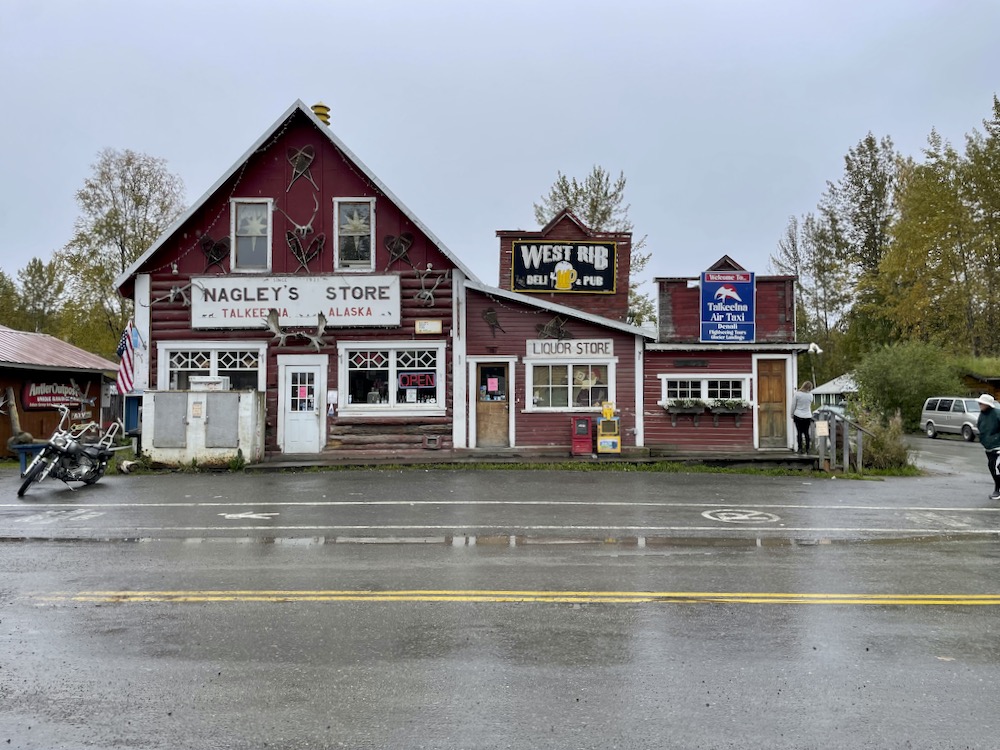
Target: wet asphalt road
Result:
[271, 670]
[198, 633]
[515, 507]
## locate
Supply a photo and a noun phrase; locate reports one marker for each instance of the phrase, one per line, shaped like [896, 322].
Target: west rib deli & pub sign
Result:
[558, 266]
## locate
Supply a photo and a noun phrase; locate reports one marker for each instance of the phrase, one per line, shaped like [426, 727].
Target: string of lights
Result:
[496, 301]
[224, 209]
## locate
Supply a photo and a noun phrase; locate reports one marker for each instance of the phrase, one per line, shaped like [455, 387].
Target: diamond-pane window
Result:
[395, 377]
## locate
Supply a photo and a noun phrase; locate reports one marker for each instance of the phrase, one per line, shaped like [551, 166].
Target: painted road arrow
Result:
[247, 514]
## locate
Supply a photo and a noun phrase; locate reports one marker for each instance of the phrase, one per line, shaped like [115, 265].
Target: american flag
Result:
[126, 367]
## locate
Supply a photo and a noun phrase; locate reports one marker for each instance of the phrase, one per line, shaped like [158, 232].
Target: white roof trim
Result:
[298, 105]
[696, 346]
[559, 309]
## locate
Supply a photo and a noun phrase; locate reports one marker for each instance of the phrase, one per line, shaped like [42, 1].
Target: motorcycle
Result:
[66, 457]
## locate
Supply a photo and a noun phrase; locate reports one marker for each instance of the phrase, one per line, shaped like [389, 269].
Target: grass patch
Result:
[647, 467]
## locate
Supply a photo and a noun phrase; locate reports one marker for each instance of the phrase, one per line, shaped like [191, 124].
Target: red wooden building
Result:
[300, 276]
[38, 374]
[298, 307]
[722, 385]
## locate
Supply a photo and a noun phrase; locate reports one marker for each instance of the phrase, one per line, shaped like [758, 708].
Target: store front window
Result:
[393, 377]
[557, 378]
[178, 363]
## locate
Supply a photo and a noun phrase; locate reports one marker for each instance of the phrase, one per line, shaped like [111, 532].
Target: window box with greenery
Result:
[735, 406]
[694, 407]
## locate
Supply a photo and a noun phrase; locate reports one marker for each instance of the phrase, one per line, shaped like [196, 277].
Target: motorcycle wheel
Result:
[96, 474]
[31, 476]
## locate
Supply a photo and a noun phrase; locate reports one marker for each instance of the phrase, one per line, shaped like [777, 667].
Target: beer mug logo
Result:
[565, 275]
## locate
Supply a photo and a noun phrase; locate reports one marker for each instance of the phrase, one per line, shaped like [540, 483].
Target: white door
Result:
[302, 407]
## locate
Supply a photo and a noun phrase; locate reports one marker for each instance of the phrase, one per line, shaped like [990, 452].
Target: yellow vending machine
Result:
[609, 430]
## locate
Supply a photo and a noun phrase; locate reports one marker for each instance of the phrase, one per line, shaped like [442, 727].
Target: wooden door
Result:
[492, 406]
[771, 402]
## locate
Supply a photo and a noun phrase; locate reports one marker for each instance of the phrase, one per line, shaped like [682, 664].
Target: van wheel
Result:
[967, 433]
[931, 432]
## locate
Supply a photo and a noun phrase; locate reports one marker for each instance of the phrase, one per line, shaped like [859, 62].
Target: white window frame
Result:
[353, 268]
[346, 409]
[164, 349]
[702, 379]
[233, 255]
[529, 379]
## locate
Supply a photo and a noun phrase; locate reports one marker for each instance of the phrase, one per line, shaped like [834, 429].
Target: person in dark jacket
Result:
[989, 435]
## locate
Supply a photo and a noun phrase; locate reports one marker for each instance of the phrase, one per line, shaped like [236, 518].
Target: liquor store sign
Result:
[553, 266]
[235, 302]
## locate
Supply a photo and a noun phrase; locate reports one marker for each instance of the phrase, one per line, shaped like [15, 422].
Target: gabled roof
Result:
[570, 312]
[840, 384]
[725, 263]
[39, 351]
[298, 106]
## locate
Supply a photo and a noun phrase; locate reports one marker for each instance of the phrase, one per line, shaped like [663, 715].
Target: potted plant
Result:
[735, 406]
[692, 406]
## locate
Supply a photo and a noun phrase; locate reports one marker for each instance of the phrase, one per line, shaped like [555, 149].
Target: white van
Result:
[953, 414]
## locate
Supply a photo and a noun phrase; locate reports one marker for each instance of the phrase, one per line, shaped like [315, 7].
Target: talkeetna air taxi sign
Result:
[727, 307]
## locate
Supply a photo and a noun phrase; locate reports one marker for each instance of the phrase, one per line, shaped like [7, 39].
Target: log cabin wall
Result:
[303, 199]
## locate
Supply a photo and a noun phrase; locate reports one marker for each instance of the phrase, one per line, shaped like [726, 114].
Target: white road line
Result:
[132, 530]
[484, 503]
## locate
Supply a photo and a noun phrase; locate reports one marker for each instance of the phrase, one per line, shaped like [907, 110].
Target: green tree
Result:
[822, 292]
[982, 192]
[900, 377]
[42, 288]
[858, 211]
[599, 202]
[11, 312]
[930, 279]
[126, 203]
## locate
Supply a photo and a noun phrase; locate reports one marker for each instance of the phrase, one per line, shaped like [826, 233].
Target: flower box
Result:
[734, 406]
[694, 407]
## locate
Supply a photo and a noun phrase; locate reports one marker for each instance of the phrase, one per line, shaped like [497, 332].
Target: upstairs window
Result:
[251, 232]
[354, 222]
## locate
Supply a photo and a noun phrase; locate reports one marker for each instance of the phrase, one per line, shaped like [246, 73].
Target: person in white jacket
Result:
[802, 416]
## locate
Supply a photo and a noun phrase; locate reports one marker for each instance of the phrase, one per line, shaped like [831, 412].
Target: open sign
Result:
[417, 380]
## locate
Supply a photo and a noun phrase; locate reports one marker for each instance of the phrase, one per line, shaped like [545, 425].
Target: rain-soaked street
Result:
[415, 610]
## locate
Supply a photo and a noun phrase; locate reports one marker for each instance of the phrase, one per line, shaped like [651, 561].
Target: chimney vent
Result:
[322, 112]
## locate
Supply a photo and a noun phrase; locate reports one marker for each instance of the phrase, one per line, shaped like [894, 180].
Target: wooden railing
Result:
[843, 444]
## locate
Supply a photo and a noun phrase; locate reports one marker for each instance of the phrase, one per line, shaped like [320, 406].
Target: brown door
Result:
[492, 407]
[771, 400]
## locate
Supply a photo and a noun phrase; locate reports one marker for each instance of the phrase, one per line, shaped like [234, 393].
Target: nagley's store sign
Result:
[563, 267]
[233, 302]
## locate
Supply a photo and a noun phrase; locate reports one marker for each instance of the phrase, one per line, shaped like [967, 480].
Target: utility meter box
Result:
[583, 436]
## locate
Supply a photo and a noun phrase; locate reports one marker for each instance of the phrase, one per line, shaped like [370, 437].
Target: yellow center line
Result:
[505, 596]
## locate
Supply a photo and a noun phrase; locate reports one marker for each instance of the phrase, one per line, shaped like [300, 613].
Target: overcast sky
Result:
[727, 117]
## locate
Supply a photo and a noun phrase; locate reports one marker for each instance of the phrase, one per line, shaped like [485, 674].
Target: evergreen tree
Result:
[599, 202]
